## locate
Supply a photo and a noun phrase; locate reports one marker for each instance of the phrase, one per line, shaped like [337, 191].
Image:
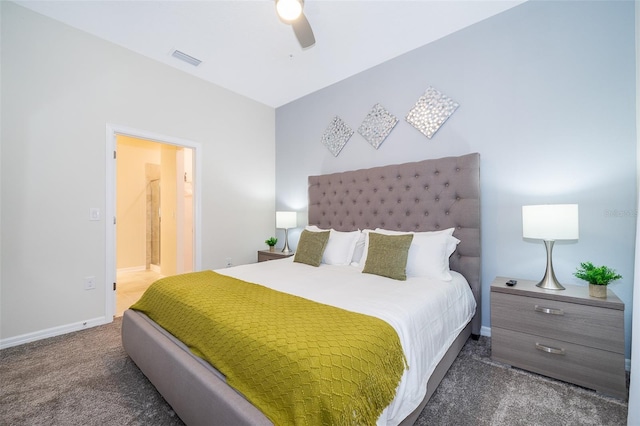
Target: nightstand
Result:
[264, 255]
[566, 334]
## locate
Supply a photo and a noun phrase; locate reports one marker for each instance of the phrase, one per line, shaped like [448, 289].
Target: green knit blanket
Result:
[298, 361]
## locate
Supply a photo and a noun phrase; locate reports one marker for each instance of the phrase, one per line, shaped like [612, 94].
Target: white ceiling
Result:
[245, 48]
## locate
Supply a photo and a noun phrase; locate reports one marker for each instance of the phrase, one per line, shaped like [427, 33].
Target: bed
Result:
[430, 196]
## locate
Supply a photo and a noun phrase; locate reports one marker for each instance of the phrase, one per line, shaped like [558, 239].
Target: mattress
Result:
[427, 314]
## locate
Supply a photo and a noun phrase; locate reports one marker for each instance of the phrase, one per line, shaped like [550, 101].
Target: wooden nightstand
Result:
[563, 334]
[264, 255]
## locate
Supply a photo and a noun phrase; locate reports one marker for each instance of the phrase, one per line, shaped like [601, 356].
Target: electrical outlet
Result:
[89, 283]
[228, 262]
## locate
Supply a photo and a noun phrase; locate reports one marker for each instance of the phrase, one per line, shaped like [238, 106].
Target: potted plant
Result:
[598, 278]
[271, 242]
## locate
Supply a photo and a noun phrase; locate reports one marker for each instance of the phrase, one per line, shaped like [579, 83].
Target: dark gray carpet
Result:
[86, 378]
[478, 391]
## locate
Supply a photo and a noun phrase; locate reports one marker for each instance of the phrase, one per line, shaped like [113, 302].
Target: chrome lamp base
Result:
[285, 249]
[549, 281]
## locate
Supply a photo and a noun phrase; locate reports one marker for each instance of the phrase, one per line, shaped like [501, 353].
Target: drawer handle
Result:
[549, 349]
[551, 311]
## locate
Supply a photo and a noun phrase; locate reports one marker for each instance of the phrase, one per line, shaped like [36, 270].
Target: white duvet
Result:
[427, 314]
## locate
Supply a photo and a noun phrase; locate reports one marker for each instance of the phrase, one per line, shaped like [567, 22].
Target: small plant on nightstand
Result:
[598, 278]
[271, 242]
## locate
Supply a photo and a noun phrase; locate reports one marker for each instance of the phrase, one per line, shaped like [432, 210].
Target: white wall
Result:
[547, 97]
[60, 87]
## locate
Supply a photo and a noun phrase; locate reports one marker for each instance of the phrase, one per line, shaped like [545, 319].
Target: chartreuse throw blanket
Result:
[298, 361]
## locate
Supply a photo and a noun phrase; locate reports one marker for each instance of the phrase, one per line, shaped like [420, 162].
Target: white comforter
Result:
[427, 315]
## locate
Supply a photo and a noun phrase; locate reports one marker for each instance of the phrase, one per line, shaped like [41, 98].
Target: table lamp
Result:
[550, 222]
[286, 220]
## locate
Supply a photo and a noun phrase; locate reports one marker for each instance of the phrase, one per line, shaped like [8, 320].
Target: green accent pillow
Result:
[311, 247]
[387, 255]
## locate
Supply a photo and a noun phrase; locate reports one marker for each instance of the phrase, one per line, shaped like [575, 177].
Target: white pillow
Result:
[359, 250]
[428, 255]
[340, 247]
[365, 249]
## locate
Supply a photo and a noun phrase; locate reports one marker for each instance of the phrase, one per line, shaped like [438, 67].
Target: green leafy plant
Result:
[596, 275]
[271, 241]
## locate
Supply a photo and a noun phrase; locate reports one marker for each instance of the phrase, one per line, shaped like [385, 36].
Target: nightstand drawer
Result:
[266, 255]
[584, 366]
[570, 322]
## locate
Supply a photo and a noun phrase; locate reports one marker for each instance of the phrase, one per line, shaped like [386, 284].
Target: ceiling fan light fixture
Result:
[289, 10]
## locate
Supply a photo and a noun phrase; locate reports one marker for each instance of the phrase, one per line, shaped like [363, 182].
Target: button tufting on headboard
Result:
[415, 205]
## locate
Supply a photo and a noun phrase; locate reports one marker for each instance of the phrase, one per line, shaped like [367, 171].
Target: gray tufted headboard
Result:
[427, 195]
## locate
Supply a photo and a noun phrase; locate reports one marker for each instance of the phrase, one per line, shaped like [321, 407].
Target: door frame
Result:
[112, 130]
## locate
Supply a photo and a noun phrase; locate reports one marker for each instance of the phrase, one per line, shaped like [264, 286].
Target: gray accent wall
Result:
[547, 97]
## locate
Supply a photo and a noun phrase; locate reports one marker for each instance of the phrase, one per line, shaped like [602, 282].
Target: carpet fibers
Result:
[86, 378]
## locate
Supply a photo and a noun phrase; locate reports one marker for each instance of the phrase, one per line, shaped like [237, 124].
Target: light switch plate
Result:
[94, 213]
[89, 283]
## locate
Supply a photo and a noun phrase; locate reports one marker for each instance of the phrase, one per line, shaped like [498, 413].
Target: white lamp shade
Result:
[550, 222]
[286, 220]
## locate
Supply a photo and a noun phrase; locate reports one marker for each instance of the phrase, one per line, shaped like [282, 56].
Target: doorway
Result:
[151, 180]
[151, 195]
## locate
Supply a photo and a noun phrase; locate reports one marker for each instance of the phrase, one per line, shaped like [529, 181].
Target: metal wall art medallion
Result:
[431, 111]
[336, 135]
[377, 125]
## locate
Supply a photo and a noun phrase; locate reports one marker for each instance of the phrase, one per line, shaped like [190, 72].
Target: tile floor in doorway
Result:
[130, 287]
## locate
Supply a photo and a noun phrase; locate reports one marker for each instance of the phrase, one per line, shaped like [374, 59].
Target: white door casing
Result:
[112, 130]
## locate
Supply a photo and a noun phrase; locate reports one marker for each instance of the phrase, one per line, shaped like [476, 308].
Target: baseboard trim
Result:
[69, 328]
[52, 332]
[132, 269]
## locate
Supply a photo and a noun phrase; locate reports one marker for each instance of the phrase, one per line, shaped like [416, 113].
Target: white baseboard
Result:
[132, 269]
[64, 329]
[52, 332]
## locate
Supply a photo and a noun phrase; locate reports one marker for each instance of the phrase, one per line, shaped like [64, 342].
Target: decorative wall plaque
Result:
[431, 111]
[336, 135]
[377, 125]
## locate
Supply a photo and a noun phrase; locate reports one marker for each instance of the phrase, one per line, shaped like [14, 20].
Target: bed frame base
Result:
[439, 373]
[199, 394]
[192, 387]
[343, 201]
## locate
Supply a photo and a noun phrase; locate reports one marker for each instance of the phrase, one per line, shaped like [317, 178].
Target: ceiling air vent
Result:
[186, 58]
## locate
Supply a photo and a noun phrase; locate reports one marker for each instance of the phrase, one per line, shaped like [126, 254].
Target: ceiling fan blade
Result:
[303, 31]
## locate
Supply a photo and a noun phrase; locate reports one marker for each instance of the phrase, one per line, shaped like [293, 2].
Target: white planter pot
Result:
[598, 291]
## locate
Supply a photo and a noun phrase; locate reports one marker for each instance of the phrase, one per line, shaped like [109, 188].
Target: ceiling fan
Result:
[290, 12]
